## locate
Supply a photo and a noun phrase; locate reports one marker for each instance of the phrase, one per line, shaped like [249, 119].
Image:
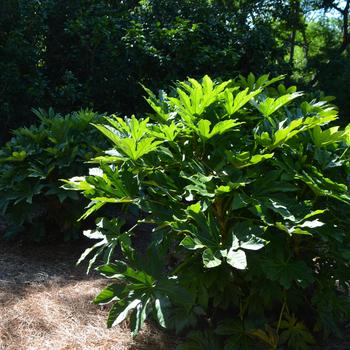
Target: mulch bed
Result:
[45, 303]
[45, 276]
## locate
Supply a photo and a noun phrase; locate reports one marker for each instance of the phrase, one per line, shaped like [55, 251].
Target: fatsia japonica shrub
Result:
[32, 163]
[245, 189]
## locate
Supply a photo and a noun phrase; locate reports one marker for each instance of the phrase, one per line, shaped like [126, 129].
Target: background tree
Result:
[95, 53]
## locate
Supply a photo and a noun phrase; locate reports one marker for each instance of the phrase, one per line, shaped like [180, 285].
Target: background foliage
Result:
[32, 164]
[72, 54]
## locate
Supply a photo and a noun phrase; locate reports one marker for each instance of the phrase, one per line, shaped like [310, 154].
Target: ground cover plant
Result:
[245, 187]
[32, 163]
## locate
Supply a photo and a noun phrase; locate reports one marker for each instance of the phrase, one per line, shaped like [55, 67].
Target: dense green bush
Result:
[245, 189]
[32, 163]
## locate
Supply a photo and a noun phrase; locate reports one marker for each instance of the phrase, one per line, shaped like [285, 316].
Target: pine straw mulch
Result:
[45, 304]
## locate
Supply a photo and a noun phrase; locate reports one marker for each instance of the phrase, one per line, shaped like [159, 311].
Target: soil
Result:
[342, 343]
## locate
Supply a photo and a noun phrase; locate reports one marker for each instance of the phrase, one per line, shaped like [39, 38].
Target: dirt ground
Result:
[45, 303]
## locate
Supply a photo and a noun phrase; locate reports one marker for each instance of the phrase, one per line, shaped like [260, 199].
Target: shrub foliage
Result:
[245, 188]
[32, 163]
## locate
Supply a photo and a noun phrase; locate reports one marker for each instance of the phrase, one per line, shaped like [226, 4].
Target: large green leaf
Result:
[204, 132]
[211, 259]
[288, 272]
[110, 293]
[120, 311]
[237, 259]
[271, 105]
[234, 104]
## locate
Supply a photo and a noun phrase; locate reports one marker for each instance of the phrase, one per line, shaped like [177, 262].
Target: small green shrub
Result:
[32, 163]
[246, 192]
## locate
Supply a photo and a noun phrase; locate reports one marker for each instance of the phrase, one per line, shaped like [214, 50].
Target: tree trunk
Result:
[292, 46]
[345, 31]
[295, 12]
[345, 41]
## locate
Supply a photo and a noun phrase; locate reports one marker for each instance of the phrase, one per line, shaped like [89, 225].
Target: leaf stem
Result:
[280, 317]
